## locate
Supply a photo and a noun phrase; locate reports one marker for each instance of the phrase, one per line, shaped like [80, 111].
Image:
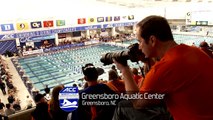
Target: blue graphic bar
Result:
[61, 30]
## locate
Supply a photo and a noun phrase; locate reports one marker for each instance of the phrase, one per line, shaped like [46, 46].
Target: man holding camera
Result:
[183, 73]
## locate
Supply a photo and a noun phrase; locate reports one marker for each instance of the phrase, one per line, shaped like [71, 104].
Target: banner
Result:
[36, 24]
[60, 22]
[92, 20]
[131, 17]
[100, 19]
[108, 19]
[48, 23]
[116, 18]
[7, 27]
[81, 20]
[22, 26]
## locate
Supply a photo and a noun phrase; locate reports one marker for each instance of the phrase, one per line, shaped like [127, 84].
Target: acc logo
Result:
[68, 99]
[8, 36]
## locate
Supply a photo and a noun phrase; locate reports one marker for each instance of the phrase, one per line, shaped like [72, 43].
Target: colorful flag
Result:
[60, 22]
[36, 24]
[81, 20]
[22, 26]
[100, 19]
[116, 18]
[7, 27]
[92, 20]
[108, 19]
[131, 17]
[48, 23]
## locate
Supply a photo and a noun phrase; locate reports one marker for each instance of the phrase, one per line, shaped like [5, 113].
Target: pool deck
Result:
[22, 91]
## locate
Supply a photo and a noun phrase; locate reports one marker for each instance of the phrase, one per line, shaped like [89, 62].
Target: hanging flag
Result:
[131, 17]
[7, 27]
[100, 19]
[60, 22]
[116, 18]
[36, 24]
[92, 20]
[22, 26]
[81, 20]
[108, 19]
[48, 23]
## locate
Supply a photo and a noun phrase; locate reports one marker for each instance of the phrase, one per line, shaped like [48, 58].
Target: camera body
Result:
[133, 53]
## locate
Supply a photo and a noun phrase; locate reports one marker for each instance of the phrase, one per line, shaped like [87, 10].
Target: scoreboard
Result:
[199, 18]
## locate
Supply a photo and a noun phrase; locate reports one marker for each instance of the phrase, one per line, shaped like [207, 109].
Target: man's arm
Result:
[132, 88]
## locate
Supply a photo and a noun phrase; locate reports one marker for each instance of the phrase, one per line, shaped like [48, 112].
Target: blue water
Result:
[65, 67]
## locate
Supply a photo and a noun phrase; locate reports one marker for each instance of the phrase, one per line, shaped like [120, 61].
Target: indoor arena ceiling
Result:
[151, 3]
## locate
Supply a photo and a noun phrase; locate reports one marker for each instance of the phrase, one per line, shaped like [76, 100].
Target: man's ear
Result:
[153, 40]
[85, 77]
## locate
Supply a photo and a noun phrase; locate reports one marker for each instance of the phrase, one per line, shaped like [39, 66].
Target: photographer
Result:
[183, 73]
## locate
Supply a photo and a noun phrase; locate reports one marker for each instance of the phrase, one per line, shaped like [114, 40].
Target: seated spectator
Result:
[41, 111]
[205, 47]
[56, 112]
[9, 110]
[93, 112]
[115, 83]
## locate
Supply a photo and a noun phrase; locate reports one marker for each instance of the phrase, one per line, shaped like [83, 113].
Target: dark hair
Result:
[113, 75]
[54, 101]
[38, 97]
[90, 72]
[8, 106]
[157, 26]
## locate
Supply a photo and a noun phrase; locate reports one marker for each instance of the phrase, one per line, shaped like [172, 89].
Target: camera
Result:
[133, 53]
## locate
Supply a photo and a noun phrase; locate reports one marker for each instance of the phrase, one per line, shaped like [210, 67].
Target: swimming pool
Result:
[63, 67]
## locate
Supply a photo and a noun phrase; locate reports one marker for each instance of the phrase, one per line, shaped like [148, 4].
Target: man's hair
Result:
[157, 26]
[8, 106]
[90, 72]
[113, 75]
[38, 97]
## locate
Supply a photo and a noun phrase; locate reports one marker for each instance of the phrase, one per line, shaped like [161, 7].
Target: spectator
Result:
[2, 87]
[93, 112]
[9, 110]
[115, 83]
[29, 102]
[114, 68]
[2, 107]
[47, 89]
[41, 111]
[205, 47]
[181, 71]
[74, 85]
[16, 105]
[11, 98]
[56, 112]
